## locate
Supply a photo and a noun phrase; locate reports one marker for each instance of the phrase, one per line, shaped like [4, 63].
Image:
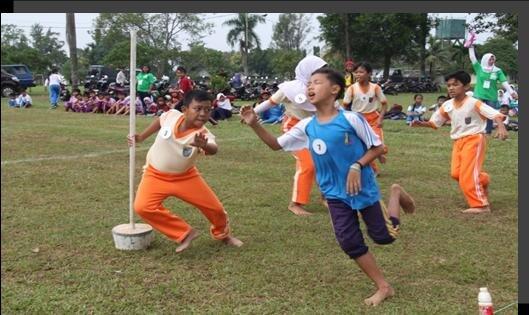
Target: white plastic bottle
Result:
[485, 302]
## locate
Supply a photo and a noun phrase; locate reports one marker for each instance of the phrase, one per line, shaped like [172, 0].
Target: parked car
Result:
[10, 84]
[22, 72]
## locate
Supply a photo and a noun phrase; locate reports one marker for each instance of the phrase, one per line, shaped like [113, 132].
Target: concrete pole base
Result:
[126, 238]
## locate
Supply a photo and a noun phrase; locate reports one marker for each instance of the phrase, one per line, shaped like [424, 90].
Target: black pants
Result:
[143, 95]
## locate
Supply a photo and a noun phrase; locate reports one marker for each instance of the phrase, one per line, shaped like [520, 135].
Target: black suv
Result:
[10, 84]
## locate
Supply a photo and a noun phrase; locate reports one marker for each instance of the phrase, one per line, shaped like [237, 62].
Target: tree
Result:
[243, 33]
[376, 36]
[290, 32]
[72, 44]
[501, 24]
[435, 55]
[45, 53]
[48, 45]
[159, 32]
[199, 58]
[12, 36]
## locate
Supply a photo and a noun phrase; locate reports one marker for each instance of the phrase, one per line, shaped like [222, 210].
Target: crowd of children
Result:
[102, 102]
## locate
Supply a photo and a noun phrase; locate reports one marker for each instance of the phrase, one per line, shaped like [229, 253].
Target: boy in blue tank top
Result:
[342, 145]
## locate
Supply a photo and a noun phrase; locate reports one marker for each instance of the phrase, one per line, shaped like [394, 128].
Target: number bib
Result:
[319, 146]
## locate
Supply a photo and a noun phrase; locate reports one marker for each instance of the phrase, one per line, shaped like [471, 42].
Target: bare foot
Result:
[406, 202]
[379, 296]
[187, 241]
[297, 209]
[382, 159]
[230, 240]
[485, 209]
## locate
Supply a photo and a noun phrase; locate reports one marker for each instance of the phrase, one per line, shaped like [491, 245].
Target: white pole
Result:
[132, 124]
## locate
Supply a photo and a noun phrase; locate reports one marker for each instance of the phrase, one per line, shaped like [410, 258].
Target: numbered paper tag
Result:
[300, 98]
[140, 82]
[166, 133]
[319, 146]
[486, 84]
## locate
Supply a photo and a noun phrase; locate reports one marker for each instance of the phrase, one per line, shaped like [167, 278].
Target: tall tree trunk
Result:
[72, 44]
[387, 64]
[422, 42]
[347, 46]
[245, 57]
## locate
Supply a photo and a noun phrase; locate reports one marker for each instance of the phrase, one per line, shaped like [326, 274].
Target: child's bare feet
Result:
[187, 241]
[406, 202]
[297, 209]
[233, 241]
[379, 296]
[485, 209]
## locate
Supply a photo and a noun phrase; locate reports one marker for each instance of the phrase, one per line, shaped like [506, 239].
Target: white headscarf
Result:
[226, 104]
[296, 87]
[485, 63]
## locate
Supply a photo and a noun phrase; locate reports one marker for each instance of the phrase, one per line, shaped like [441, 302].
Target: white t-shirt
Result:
[55, 79]
[418, 110]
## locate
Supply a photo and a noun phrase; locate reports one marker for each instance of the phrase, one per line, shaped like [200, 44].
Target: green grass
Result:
[67, 208]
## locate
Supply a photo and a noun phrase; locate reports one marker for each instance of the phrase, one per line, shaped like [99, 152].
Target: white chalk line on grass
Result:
[90, 155]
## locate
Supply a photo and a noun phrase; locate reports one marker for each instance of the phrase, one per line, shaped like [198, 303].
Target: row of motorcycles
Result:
[410, 85]
[104, 84]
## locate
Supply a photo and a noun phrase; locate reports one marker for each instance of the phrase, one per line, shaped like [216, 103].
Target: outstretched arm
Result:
[153, 127]
[249, 117]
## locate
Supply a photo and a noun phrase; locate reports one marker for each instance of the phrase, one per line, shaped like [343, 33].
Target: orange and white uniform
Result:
[305, 172]
[468, 122]
[297, 107]
[367, 102]
[170, 171]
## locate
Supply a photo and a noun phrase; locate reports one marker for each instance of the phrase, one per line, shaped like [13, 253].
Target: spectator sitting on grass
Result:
[223, 109]
[74, 98]
[275, 114]
[12, 100]
[395, 113]
[415, 110]
[440, 100]
[24, 100]
[509, 124]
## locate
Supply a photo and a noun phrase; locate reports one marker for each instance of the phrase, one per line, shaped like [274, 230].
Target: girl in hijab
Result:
[487, 78]
[223, 109]
[292, 95]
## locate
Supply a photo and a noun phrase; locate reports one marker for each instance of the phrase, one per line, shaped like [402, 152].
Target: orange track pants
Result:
[304, 176]
[156, 186]
[468, 155]
[372, 119]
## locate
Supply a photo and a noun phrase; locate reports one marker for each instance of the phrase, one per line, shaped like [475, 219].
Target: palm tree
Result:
[436, 55]
[243, 33]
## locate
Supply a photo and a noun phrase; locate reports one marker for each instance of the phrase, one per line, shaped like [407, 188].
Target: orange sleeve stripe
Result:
[478, 104]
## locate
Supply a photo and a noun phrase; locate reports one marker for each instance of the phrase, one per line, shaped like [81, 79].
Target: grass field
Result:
[65, 185]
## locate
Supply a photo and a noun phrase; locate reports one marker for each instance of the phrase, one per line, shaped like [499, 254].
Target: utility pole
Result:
[72, 44]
